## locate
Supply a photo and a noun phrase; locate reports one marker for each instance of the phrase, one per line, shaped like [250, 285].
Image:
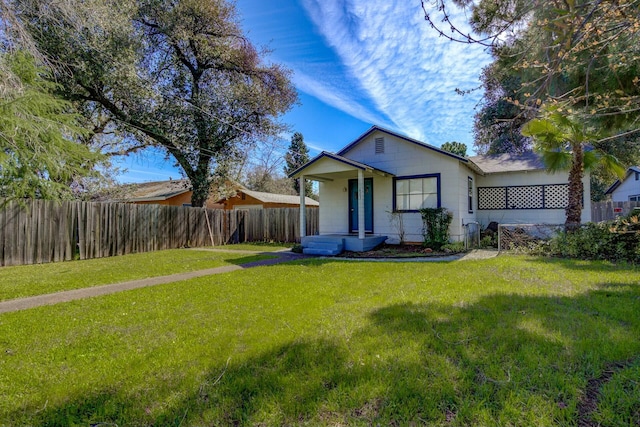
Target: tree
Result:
[178, 75]
[562, 141]
[297, 155]
[455, 147]
[40, 156]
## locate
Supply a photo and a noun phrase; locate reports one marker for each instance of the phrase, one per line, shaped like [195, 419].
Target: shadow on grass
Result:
[503, 360]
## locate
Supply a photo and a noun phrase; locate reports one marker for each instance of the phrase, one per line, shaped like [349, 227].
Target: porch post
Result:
[303, 210]
[361, 225]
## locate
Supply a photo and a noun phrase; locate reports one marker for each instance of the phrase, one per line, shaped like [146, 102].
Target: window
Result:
[416, 192]
[379, 145]
[470, 194]
[637, 176]
[635, 198]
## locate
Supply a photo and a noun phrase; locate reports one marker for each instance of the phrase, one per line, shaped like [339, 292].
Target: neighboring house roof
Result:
[397, 135]
[528, 161]
[615, 185]
[340, 159]
[156, 191]
[278, 198]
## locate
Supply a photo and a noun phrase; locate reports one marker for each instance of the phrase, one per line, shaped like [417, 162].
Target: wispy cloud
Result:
[407, 71]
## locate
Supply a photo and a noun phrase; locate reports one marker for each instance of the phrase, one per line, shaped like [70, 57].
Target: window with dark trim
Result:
[635, 198]
[411, 193]
[470, 194]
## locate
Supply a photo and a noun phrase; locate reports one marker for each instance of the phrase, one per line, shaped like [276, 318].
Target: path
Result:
[281, 256]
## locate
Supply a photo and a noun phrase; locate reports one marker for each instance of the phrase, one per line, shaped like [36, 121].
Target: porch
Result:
[335, 244]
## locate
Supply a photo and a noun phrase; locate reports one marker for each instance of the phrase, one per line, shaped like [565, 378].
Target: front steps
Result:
[319, 245]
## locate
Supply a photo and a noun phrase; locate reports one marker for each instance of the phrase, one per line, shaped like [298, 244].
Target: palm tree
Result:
[563, 142]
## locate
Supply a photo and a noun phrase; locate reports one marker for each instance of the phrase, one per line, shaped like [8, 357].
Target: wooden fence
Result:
[44, 231]
[608, 210]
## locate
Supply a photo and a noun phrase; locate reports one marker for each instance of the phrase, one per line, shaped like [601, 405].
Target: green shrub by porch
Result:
[435, 227]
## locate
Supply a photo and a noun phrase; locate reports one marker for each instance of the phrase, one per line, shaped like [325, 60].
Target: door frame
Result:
[354, 183]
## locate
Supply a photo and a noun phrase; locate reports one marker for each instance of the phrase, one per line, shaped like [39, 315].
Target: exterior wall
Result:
[403, 158]
[529, 216]
[334, 209]
[628, 187]
[180, 200]
[237, 202]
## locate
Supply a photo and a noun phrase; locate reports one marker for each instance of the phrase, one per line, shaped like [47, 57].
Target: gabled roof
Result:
[497, 163]
[338, 158]
[632, 169]
[278, 198]
[156, 191]
[403, 137]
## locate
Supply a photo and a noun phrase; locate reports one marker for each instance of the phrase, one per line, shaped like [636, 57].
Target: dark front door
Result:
[368, 205]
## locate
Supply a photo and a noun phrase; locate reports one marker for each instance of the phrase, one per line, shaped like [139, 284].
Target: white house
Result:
[627, 189]
[400, 175]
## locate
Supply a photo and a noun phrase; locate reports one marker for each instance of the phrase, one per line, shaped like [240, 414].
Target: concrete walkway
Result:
[280, 257]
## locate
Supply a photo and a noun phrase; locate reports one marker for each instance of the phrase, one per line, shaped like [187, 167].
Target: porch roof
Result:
[326, 164]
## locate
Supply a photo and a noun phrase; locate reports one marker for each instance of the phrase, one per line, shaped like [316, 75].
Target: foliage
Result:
[297, 155]
[617, 241]
[453, 248]
[40, 156]
[582, 54]
[507, 341]
[176, 75]
[435, 226]
[563, 140]
[455, 147]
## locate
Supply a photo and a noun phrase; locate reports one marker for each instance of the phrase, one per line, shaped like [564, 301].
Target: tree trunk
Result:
[200, 192]
[576, 189]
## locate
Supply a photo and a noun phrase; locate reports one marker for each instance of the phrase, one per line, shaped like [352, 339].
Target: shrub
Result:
[453, 248]
[617, 240]
[435, 227]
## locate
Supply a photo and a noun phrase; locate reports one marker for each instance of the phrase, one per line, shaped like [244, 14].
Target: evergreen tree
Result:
[455, 147]
[40, 156]
[297, 156]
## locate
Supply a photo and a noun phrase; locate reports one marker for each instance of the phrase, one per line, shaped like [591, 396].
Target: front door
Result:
[368, 205]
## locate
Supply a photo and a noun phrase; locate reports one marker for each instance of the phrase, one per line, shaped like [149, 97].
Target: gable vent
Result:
[379, 145]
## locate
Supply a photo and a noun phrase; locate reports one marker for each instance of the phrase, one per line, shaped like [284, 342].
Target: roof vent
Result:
[379, 145]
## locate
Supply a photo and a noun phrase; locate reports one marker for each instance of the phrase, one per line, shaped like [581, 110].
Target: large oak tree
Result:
[178, 75]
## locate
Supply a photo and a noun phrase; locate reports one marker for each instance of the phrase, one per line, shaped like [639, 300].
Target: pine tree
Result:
[297, 156]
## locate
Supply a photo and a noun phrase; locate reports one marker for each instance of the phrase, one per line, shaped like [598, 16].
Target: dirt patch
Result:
[397, 251]
[589, 402]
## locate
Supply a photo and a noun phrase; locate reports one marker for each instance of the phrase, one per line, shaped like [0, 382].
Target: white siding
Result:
[403, 158]
[628, 187]
[529, 216]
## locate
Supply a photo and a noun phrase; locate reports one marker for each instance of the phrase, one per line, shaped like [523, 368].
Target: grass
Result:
[507, 341]
[257, 246]
[30, 280]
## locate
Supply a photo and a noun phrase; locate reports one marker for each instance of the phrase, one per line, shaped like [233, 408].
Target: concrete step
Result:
[321, 239]
[319, 251]
[325, 245]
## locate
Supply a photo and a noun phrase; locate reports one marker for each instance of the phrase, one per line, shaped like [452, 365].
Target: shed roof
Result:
[278, 198]
[630, 170]
[157, 190]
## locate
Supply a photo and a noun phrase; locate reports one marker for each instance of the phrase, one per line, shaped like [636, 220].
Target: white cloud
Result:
[407, 71]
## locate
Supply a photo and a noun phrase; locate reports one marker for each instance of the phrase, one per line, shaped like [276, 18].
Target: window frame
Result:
[636, 196]
[470, 194]
[408, 177]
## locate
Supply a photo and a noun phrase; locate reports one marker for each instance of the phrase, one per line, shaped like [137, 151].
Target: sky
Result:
[357, 63]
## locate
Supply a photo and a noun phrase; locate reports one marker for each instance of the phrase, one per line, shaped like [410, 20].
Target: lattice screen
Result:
[492, 198]
[554, 196]
[529, 197]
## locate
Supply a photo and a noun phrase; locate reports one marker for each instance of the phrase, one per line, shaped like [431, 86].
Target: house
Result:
[627, 189]
[248, 199]
[175, 192]
[399, 175]
[178, 193]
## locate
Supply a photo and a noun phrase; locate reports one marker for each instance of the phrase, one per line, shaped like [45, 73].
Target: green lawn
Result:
[510, 341]
[30, 280]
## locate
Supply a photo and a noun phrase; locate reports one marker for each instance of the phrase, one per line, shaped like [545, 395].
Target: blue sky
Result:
[357, 63]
